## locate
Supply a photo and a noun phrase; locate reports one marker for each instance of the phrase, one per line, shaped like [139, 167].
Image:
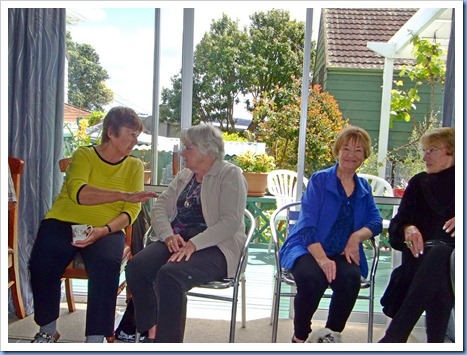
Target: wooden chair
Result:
[16, 169]
[76, 269]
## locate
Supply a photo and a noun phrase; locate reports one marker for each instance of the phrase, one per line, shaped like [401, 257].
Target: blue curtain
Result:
[36, 73]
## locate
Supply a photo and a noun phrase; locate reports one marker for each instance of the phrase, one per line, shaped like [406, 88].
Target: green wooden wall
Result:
[358, 93]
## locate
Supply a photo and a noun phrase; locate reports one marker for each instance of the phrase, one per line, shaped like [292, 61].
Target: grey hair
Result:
[205, 137]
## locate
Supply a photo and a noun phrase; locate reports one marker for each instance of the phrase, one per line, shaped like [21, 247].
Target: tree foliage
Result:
[219, 71]
[429, 68]
[86, 77]
[276, 52]
[230, 61]
[280, 129]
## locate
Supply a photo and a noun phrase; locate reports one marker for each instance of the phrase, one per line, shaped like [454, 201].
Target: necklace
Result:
[190, 193]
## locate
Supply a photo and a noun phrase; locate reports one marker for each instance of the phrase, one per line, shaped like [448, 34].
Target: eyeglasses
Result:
[186, 148]
[430, 151]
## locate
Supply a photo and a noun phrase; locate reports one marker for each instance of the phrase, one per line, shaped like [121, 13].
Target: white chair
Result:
[380, 188]
[282, 184]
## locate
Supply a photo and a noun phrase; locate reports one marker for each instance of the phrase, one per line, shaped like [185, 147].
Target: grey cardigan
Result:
[223, 201]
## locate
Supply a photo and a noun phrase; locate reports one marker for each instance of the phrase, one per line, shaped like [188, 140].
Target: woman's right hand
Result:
[174, 243]
[413, 240]
[329, 268]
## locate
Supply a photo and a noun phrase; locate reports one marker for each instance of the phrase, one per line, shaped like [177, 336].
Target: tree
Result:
[429, 68]
[218, 72]
[230, 62]
[280, 129]
[86, 77]
[171, 100]
[276, 55]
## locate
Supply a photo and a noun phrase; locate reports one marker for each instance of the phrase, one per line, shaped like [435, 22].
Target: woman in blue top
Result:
[325, 246]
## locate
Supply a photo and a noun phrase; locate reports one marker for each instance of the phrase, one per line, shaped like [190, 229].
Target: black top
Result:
[428, 203]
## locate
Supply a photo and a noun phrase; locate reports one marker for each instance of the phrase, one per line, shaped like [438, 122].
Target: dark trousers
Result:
[311, 285]
[51, 254]
[159, 287]
[430, 291]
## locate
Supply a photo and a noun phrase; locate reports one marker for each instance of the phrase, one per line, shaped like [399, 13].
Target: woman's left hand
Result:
[184, 253]
[95, 234]
[351, 251]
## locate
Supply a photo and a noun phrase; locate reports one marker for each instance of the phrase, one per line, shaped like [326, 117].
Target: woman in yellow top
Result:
[103, 188]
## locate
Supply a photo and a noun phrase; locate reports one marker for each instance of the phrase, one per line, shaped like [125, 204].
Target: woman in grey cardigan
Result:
[199, 223]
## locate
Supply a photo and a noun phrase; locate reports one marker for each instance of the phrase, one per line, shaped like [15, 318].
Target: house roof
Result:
[71, 113]
[346, 33]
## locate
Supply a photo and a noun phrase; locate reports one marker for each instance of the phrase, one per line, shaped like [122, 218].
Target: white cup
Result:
[80, 231]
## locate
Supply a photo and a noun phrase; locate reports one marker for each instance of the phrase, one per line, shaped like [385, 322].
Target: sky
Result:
[124, 40]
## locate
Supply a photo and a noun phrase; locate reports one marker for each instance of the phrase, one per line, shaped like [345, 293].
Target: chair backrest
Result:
[380, 186]
[250, 225]
[16, 168]
[283, 185]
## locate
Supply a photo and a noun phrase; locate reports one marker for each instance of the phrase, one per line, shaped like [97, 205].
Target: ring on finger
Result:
[409, 243]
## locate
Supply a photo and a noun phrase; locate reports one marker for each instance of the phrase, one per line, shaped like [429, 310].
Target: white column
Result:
[155, 95]
[187, 67]
[384, 116]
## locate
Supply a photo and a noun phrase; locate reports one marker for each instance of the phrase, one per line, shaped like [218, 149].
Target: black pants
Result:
[51, 254]
[159, 287]
[311, 285]
[430, 291]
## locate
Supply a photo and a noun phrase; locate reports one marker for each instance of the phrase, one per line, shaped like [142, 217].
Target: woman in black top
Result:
[423, 229]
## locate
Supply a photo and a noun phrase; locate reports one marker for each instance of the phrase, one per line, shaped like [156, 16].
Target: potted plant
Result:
[255, 168]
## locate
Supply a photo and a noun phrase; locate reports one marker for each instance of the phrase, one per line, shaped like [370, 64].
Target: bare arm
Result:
[90, 195]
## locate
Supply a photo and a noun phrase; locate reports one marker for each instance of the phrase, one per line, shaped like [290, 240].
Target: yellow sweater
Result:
[88, 168]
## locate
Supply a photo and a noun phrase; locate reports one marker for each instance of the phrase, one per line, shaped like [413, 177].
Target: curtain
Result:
[449, 88]
[36, 74]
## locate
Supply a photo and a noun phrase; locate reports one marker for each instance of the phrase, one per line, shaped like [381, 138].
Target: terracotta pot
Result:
[257, 183]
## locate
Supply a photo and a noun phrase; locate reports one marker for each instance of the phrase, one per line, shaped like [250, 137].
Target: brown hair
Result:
[117, 118]
[352, 133]
[440, 138]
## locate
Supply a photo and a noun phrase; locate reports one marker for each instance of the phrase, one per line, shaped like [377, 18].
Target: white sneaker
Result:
[42, 337]
[324, 335]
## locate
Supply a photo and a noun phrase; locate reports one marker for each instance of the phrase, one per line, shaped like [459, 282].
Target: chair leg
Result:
[371, 312]
[69, 296]
[275, 308]
[16, 292]
[243, 303]
[233, 316]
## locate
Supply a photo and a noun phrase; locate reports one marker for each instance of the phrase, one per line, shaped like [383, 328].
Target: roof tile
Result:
[347, 32]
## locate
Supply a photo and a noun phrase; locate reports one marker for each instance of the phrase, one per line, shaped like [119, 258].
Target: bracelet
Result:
[108, 227]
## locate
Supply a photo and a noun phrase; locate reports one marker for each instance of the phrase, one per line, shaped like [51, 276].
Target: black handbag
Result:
[397, 288]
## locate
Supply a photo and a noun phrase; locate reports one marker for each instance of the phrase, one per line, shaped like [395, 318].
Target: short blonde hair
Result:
[359, 135]
[440, 138]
